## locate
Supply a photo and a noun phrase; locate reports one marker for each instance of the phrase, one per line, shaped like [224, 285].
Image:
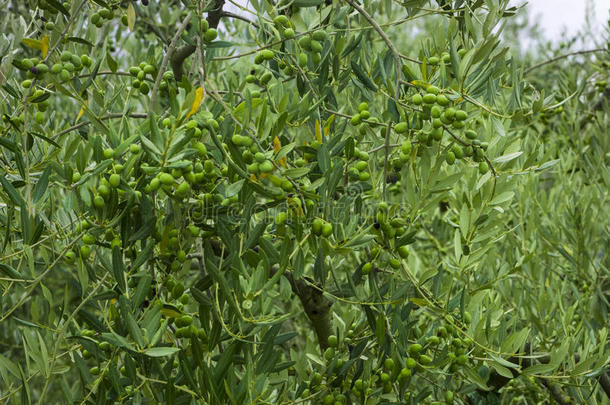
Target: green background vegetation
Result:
[318, 202]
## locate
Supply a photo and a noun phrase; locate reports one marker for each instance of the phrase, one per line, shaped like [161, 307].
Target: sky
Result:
[555, 16]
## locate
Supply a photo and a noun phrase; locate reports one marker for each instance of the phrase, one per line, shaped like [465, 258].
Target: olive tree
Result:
[308, 201]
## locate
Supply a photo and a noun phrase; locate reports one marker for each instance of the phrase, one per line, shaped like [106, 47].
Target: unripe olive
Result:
[210, 35]
[320, 35]
[415, 349]
[362, 165]
[461, 115]
[401, 127]
[424, 359]
[332, 341]
[433, 90]
[327, 229]
[114, 180]
[305, 43]
[265, 78]
[403, 252]
[404, 374]
[315, 46]
[317, 226]
[267, 54]
[429, 98]
[56, 68]
[435, 111]
[302, 60]
[433, 60]
[39, 117]
[70, 257]
[483, 167]
[266, 166]
[450, 158]
[366, 269]
[85, 251]
[289, 33]
[442, 100]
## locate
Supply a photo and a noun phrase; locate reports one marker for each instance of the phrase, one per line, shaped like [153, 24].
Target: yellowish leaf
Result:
[131, 16]
[32, 43]
[419, 301]
[82, 110]
[45, 46]
[277, 145]
[318, 133]
[196, 101]
[329, 122]
[296, 206]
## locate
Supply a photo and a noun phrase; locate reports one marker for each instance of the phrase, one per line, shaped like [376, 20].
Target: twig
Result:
[386, 158]
[168, 55]
[384, 37]
[555, 59]
[105, 117]
[239, 17]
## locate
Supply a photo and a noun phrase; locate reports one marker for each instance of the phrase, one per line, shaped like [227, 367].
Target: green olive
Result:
[442, 100]
[114, 180]
[450, 157]
[266, 166]
[289, 33]
[210, 35]
[429, 98]
[401, 127]
[461, 115]
[315, 46]
[317, 226]
[366, 269]
[267, 54]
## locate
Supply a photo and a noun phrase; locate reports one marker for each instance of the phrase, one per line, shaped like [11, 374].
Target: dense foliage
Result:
[322, 202]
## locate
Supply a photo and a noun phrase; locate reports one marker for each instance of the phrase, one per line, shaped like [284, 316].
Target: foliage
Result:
[298, 205]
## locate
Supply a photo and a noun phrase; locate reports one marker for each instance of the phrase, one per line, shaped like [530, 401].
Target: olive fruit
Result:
[403, 252]
[317, 225]
[210, 35]
[401, 127]
[433, 90]
[442, 100]
[366, 268]
[429, 98]
[415, 349]
[289, 33]
[114, 180]
[483, 167]
[461, 115]
[332, 341]
[70, 257]
[266, 166]
[327, 229]
[267, 54]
